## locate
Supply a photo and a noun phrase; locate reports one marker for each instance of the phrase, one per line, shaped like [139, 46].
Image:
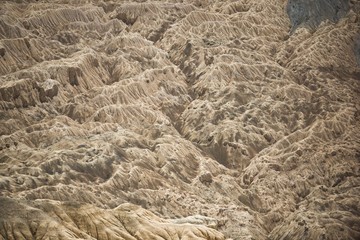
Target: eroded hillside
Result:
[243, 115]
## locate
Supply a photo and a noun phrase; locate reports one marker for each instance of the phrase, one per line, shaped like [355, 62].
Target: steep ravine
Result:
[179, 119]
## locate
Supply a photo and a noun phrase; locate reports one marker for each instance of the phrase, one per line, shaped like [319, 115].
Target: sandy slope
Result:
[210, 109]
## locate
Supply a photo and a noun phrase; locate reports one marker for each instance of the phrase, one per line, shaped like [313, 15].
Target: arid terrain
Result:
[180, 119]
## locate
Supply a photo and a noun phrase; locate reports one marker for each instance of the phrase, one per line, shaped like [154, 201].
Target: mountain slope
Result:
[230, 110]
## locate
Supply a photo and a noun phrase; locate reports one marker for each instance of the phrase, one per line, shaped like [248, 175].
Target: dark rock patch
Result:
[310, 13]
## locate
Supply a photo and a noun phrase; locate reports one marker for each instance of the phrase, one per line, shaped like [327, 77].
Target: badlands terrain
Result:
[180, 119]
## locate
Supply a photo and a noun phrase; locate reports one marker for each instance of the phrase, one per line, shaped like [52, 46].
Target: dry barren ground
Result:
[180, 119]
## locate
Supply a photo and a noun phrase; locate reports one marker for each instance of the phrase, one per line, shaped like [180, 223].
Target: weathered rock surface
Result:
[311, 13]
[220, 117]
[67, 220]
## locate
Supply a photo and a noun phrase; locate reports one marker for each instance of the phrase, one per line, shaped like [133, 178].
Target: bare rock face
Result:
[179, 119]
[312, 13]
[68, 220]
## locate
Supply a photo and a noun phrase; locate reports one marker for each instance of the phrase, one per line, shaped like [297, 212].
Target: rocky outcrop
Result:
[69, 220]
[208, 114]
[311, 13]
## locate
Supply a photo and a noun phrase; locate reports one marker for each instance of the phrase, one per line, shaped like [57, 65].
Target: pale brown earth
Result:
[177, 120]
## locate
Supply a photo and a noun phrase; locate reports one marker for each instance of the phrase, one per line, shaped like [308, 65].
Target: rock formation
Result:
[69, 220]
[311, 13]
[179, 119]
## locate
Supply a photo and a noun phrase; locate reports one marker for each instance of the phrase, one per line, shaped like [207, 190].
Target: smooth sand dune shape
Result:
[180, 119]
